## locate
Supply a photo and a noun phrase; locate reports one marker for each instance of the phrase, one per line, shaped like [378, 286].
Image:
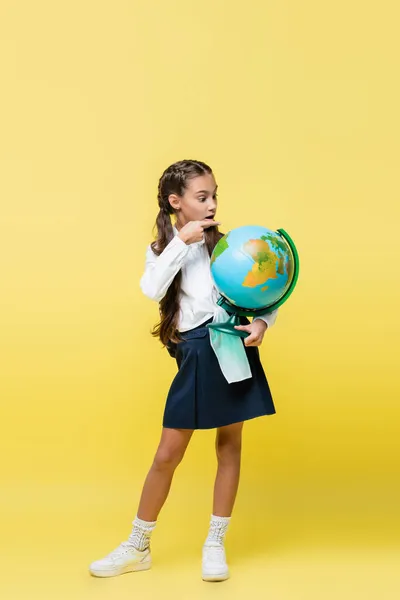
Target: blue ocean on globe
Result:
[252, 267]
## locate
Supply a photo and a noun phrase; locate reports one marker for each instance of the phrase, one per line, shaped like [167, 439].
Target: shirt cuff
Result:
[268, 318]
[175, 250]
[177, 240]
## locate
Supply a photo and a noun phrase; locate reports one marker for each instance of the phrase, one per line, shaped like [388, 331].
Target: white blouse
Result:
[198, 295]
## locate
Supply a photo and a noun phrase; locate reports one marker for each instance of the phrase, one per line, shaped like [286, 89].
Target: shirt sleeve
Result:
[160, 270]
[269, 318]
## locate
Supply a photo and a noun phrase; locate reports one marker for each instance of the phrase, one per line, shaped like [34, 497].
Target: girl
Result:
[177, 275]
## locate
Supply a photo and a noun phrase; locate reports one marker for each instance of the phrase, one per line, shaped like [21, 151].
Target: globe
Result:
[254, 268]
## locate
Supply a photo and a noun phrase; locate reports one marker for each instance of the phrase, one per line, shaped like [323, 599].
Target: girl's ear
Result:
[174, 201]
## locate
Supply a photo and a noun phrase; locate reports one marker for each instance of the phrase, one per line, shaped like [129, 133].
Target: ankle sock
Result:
[141, 534]
[217, 530]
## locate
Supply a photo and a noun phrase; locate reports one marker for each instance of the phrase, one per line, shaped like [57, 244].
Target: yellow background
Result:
[295, 105]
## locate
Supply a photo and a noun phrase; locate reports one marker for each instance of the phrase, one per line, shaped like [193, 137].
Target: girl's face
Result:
[198, 202]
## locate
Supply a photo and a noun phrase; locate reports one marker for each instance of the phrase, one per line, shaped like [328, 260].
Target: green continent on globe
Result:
[221, 246]
[280, 248]
[275, 242]
[264, 266]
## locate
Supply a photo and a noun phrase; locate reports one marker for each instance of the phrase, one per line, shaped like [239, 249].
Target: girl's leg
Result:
[169, 454]
[134, 554]
[228, 447]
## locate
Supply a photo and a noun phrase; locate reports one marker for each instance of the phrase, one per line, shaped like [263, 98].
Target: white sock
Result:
[141, 533]
[217, 530]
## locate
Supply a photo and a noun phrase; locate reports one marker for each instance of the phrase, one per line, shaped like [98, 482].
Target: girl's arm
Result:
[161, 270]
[269, 318]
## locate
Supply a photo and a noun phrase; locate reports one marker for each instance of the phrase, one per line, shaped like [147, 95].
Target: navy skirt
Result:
[201, 398]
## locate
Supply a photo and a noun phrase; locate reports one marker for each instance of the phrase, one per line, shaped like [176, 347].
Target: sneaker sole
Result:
[122, 570]
[219, 577]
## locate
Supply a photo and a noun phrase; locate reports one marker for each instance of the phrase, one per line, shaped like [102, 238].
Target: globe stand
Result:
[234, 311]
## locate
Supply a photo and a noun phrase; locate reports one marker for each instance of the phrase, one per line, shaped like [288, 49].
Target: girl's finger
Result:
[208, 223]
[249, 341]
[243, 327]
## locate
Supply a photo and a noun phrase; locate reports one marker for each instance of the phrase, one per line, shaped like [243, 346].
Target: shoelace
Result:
[215, 552]
[122, 549]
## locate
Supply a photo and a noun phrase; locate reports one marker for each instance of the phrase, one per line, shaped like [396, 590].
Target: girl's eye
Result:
[202, 199]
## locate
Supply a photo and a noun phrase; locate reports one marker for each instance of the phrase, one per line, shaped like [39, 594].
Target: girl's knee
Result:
[228, 448]
[167, 458]
[172, 448]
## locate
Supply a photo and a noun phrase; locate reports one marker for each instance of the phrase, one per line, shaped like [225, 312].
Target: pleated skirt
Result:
[201, 398]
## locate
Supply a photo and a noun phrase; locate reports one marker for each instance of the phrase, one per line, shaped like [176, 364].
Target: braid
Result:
[163, 224]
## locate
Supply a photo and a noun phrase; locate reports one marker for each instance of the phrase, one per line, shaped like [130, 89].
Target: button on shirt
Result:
[198, 294]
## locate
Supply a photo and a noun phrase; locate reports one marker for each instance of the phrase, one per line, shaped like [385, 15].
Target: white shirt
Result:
[198, 295]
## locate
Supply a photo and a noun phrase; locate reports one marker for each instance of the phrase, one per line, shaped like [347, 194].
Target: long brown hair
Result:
[174, 181]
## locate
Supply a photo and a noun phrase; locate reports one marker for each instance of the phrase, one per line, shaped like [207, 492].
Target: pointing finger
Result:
[209, 223]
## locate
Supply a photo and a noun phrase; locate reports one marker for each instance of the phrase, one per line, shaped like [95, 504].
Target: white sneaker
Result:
[214, 565]
[123, 559]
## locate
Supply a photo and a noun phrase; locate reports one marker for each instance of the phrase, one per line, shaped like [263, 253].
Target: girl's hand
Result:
[194, 230]
[256, 329]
